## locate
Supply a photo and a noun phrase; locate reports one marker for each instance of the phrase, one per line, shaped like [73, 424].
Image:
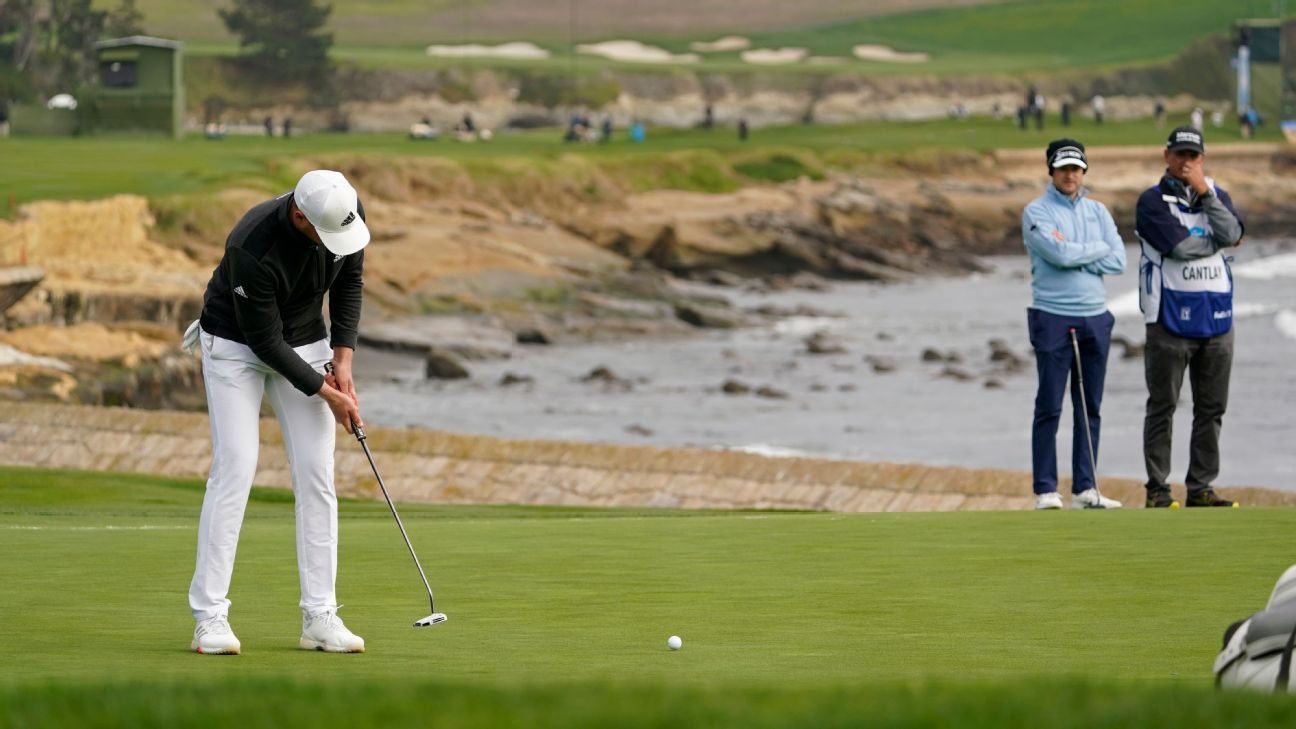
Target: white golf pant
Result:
[236, 380]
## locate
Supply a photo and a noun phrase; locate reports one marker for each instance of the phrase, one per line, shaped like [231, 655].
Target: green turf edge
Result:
[1047, 702]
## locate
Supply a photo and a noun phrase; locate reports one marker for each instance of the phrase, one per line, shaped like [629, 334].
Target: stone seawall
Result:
[434, 467]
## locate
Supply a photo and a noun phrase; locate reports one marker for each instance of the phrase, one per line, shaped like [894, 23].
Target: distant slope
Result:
[404, 22]
[1056, 32]
[962, 36]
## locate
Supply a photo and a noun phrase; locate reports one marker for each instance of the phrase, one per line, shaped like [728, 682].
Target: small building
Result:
[141, 86]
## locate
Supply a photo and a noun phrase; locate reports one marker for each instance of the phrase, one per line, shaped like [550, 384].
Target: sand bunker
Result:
[721, 45]
[635, 52]
[888, 54]
[523, 50]
[826, 60]
[774, 55]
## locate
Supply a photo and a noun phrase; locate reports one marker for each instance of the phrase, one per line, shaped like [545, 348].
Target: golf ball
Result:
[674, 642]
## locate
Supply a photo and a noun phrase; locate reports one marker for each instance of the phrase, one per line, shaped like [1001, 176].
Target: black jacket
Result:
[268, 292]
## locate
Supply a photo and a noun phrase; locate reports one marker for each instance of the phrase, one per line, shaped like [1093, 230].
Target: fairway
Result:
[97, 566]
[705, 161]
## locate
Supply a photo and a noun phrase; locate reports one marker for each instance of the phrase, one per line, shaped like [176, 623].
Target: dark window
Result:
[118, 74]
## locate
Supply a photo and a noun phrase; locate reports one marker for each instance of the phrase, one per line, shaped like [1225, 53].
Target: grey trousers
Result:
[1209, 362]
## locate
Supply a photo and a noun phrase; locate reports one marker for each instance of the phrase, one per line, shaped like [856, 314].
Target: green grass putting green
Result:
[962, 619]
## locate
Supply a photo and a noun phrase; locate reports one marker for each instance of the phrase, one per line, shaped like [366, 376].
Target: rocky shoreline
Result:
[460, 278]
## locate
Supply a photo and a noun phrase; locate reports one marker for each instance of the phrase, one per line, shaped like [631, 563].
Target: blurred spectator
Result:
[424, 129]
[1099, 105]
[606, 135]
[287, 127]
[1159, 112]
[1195, 118]
[269, 126]
[742, 129]
[1066, 112]
[637, 132]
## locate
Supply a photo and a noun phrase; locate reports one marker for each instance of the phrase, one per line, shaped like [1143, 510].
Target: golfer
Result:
[1073, 243]
[262, 333]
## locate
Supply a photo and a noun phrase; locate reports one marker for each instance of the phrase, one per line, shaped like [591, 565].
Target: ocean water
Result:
[837, 406]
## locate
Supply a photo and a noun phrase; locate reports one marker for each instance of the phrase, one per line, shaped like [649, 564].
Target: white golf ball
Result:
[674, 642]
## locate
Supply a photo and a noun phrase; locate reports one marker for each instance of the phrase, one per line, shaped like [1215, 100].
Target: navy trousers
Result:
[1055, 359]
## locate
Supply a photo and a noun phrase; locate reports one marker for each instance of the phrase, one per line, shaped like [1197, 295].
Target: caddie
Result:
[1186, 294]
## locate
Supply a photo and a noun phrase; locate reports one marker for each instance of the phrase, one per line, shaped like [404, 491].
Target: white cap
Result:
[330, 204]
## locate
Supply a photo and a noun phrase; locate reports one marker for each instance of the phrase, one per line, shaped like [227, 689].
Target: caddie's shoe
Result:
[323, 630]
[214, 636]
[1208, 497]
[1160, 499]
[1091, 499]
[1048, 500]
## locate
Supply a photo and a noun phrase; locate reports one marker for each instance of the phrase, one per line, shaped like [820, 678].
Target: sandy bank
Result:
[431, 467]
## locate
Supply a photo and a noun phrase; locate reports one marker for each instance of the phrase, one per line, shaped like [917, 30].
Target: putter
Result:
[435, 617]
[1084, 410]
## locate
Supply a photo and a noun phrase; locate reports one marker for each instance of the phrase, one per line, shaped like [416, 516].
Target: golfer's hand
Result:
[342, 373]
[345, 409]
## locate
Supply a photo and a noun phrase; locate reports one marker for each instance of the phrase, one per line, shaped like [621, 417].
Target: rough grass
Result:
[438, 700]
[558, 616]
[526, 164]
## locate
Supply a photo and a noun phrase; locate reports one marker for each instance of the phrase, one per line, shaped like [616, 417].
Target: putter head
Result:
[433, 619]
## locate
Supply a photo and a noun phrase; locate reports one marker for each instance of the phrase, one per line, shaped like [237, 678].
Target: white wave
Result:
[771, 451]
[1286, 323]
[1248, 310]
[1266, 269]
[1127, 305]
[801, 325]
[774, 451]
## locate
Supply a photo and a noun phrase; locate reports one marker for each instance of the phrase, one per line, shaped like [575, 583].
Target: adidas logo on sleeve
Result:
[239, 290]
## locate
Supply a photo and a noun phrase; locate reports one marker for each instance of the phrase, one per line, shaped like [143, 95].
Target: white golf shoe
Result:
[323, 630]
[1049, 500]
[1091, 499]
[214, 636]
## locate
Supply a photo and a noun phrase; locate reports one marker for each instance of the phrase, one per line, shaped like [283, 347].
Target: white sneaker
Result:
[214, 636]
[1049, 500]
[323, 630]
[1091, 499]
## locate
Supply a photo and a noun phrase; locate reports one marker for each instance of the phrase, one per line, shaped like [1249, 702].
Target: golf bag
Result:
[1257, 652]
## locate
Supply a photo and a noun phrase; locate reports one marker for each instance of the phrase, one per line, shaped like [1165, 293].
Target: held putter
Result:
[435, 618]
[1084, 410]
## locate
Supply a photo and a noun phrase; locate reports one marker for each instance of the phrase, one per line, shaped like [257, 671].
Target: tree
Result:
[285, 37]
[125, 20]
[47, 46]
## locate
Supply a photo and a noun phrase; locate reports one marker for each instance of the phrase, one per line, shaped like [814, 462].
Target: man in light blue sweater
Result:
[1073, 243]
